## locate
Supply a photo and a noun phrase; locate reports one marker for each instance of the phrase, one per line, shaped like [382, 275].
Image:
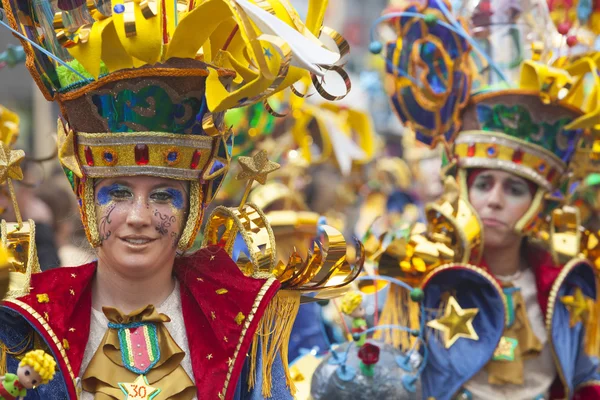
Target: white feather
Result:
[306, 54]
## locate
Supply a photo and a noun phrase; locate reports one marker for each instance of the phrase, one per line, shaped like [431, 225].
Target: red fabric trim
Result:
[546, 273]
[5, 394]
[200, 278]
[202, 275]
[66, 311]
[591, 392]
[545, 270]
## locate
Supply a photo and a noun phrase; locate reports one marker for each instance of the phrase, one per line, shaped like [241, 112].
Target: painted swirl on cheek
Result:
[164, 222]
[105, 221]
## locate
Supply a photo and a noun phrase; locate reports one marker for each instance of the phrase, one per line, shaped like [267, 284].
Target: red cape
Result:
[221, 309]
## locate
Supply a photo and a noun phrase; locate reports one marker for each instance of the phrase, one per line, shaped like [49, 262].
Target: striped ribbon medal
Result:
[140, 352]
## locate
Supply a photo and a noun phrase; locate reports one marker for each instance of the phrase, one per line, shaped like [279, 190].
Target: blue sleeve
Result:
[279, 388]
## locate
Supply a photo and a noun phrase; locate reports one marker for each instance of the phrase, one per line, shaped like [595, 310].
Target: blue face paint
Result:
[177, 197]
[104, 196]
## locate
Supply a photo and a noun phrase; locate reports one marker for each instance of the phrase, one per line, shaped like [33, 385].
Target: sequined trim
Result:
[518, 169]
[49, 331]
[163, 172]
[89, 209]
[194, 219]
[177, 140]
[566, 270]
[468, 137]
[249, 319]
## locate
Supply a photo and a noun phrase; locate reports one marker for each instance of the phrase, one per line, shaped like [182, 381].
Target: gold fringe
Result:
[592, 331]
[25, 345]
[273, 336]
[399, 309]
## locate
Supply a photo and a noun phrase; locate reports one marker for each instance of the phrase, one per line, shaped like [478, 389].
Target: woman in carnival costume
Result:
[142, 88]
[510, 320]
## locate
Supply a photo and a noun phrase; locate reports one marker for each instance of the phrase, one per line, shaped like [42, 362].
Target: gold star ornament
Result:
[139, 389]
[10, 163]
[578, 306]
[256, 168]
[455, 323]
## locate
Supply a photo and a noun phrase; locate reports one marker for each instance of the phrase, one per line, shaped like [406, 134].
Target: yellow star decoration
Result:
[10, 161]
[256, 167]
[66, 150]
[455, 323]
[139, 389]
[577, 305]
[239, 318]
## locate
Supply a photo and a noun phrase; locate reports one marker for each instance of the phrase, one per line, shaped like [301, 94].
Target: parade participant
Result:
[509, 149]
[142, 88]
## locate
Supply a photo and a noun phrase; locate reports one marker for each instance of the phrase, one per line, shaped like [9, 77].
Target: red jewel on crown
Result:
[89, 157]
[142, 154]
[471, 150]
[195, 159]
[517, 156]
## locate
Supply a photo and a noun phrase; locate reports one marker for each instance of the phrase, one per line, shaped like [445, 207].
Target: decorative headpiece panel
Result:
[430, 72]
[515, 131]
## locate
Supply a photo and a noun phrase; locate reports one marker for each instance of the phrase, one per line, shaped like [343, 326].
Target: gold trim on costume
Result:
[194, 218]
[247, 322]
[49, 331]
[533, 158]
[89, 213]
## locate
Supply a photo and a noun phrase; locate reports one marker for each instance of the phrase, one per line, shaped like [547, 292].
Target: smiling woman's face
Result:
[501, 199]
[140, 220]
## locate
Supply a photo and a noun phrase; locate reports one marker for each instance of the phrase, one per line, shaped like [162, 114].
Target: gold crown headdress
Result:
[143, 85]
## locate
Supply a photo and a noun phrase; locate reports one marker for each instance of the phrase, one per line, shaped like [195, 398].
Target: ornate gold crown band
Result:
[480, 149]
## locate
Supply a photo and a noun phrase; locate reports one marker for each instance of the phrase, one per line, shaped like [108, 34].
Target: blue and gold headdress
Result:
[143, 85]
[531, 128]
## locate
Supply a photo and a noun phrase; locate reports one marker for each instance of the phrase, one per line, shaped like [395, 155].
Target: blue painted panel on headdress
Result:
[148, 109]
[448, 370]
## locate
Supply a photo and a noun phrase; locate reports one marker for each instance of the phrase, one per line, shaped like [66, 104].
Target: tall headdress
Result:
[143, 85]
[491, 110]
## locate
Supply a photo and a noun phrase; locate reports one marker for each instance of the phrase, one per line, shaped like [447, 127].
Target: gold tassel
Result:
[18, 351]
[3, 366]
[273, 333]
[592, 328]
[398, 309]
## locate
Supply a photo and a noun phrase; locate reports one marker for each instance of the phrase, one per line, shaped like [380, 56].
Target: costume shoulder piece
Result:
[57, 311]
[226, 308]
[325, 272]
